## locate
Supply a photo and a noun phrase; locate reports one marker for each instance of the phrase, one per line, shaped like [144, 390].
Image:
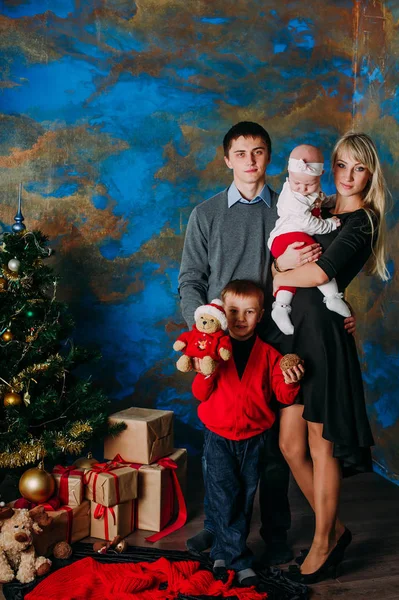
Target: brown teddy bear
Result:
[206, 340]
[17, 555]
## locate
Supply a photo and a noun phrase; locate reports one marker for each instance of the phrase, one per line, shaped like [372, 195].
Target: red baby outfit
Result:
[238, 409]
[204, 344]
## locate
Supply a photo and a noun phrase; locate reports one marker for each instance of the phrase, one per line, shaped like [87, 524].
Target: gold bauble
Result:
[86, 462]
[36, 485]
[7, 336]
[3, 284]
[12, 399]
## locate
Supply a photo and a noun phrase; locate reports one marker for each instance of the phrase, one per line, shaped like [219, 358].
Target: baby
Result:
[298, 208]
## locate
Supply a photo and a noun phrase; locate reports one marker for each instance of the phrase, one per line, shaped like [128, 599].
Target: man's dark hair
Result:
[246, 129]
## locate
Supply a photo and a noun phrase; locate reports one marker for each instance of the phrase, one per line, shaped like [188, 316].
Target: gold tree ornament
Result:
[3, 284]
[86, 462]
[12, 399]
[7, 336]
[36, 484]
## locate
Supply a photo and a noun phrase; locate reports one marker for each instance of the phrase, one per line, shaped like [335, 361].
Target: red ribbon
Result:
[101, 512]
[52, 504]
[103, 468]
[65, 472]
[167, 463]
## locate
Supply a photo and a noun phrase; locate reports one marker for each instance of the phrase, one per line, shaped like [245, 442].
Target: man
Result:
[226, 239]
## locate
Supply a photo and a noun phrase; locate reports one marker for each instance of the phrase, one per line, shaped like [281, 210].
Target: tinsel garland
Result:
[26, 454]
[17, 383]
[80, 428]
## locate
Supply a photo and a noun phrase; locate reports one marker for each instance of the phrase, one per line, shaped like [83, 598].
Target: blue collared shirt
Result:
[234, 196]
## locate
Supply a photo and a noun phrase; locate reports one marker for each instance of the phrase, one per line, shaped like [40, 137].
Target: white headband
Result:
[300, 166]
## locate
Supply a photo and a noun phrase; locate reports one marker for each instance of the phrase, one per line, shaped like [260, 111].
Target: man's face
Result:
[248, 157]
[243, 314]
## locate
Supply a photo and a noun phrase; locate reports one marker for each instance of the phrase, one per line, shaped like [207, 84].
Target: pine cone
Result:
[290, 360]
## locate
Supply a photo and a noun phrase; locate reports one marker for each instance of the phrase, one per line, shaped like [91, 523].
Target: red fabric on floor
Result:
[91, 580]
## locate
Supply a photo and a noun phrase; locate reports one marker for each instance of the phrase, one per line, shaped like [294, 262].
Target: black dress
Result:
[332, 390]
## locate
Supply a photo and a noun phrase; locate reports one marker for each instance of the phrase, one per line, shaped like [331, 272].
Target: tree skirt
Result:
[145, 574]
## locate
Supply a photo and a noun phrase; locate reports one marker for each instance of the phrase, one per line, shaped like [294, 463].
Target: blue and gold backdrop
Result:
[112, 114]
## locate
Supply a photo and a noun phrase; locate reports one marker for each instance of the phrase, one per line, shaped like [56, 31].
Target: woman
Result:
[334, 426]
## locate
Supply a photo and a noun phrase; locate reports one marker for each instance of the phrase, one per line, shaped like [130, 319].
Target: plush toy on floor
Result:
[18, 558]
[206, 340]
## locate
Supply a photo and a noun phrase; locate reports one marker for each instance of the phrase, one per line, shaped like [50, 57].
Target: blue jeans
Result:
[273, 492]
[232, 475]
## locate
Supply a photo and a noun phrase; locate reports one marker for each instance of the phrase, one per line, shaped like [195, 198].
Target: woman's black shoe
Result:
[328, 569]
[342, 543]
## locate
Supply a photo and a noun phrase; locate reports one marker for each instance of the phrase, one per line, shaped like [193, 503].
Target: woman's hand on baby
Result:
[296, 255]
[294, 374]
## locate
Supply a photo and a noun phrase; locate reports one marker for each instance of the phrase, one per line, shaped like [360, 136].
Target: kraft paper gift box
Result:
[69, 524]
[69, 484]
[149, 435]
[109, 484]
[156, 494]
[110, 521]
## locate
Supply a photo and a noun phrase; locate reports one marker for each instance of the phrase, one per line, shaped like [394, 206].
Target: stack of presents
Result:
[140, 486]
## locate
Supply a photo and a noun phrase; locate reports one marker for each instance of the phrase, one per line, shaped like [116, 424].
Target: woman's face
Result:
[350, 175]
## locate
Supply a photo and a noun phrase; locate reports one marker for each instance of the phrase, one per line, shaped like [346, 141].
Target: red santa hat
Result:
[214, 308]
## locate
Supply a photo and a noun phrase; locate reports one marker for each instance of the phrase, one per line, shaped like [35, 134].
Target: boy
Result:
[298, 208]
[235, 409]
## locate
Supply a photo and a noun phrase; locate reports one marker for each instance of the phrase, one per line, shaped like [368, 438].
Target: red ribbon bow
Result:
[167, 463]
[103, 468]
[52, 504]
[65, 472]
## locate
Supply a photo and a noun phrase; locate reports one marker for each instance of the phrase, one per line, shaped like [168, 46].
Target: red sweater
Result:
[239, 409]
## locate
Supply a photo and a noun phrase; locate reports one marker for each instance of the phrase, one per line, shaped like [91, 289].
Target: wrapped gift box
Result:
[68, 525]
[148, 437]
[109, 521]
[156, 494]
[69, 482]
[109, 484]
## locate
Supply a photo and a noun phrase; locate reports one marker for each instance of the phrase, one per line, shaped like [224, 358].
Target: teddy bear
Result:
[207, 340]
[17, 555]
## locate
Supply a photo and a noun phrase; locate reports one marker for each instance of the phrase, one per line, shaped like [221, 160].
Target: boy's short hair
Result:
[246, 129]
[244, 287]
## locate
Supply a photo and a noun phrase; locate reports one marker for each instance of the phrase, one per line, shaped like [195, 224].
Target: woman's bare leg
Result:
[294, 446]
[326, 491]
[295, 449]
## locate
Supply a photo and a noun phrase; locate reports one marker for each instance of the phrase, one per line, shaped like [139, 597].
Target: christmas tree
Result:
[47, 410]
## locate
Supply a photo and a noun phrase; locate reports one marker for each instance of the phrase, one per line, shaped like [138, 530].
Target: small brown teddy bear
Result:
[206, 340]
[17, 555]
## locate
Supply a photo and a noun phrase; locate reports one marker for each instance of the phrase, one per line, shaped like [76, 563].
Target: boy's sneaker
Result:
[200, 542]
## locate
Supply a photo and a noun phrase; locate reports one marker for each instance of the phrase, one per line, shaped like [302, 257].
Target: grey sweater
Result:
[222, 244]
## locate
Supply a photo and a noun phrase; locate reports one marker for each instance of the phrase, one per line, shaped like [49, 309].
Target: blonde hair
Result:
[362, 148]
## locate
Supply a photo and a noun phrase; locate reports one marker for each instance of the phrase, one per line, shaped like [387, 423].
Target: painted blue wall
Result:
[112, 115]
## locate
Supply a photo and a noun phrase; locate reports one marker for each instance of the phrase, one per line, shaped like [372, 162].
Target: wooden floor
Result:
[370, 508]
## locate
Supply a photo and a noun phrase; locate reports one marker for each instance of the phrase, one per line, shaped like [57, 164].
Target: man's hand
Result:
[296, 255]
[294, 374]
[350, 324]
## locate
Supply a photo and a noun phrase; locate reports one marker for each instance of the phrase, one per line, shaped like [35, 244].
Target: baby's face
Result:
[303, 183]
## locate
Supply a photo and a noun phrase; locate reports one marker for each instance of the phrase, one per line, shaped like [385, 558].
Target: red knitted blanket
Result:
[93, 580]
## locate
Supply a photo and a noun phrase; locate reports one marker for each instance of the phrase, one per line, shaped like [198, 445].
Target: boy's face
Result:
[243, 314]
[303, 183]
[248, 157]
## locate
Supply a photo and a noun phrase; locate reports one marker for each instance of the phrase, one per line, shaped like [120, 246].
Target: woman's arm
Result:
[309, 275]
[355, 235]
